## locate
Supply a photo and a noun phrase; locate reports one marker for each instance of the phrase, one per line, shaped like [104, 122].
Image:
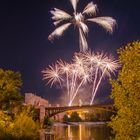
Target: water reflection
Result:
[83, 131]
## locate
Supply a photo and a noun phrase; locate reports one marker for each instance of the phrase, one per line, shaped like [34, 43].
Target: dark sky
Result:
[25, 26]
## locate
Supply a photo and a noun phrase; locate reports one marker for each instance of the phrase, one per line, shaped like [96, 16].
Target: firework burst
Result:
[86, 68]
[79, 20]
[53, 74]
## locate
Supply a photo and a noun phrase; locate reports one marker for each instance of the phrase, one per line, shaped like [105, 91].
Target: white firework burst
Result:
[79, 20]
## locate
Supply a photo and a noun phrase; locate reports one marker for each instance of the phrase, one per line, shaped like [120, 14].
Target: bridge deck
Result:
[83, 106]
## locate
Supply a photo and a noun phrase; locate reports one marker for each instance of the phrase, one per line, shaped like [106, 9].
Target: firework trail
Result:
[95, 88]
[65, 69]
[75, 93]
[109, 65]
[63, 20]
[98, 62]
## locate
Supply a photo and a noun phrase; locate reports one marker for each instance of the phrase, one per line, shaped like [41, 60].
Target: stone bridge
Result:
[52, 111]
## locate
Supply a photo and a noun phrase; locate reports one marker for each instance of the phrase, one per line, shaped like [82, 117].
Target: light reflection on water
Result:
[81, 131]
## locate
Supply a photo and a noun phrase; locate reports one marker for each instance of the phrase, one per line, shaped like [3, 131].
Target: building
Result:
[36, 101]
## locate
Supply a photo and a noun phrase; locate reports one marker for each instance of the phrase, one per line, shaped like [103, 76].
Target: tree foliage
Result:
[126, 94]
[47, 122]
[21, 127]
[25, 127]
[6, 126]
[10, 84]
[66, 118]
[31, 111]
[75, 117]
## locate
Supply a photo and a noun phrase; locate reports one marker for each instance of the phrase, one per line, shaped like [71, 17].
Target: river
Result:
[78, 131]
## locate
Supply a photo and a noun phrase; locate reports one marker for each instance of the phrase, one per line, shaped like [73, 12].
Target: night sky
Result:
[25, 26]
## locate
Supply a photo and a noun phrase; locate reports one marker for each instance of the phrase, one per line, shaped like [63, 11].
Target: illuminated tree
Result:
[126, 94]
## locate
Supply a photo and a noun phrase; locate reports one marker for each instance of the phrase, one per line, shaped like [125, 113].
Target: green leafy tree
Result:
[126, 94]
[10, 84]
[75, 117]
[66, 118]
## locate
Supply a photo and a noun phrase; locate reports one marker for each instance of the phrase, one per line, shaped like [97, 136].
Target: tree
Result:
[93, 117]
[126, 94]
[31, 111]
[66, 118]
[6, 126]
[10, 84]
[25, 127]
[47, 122]
[75, 117]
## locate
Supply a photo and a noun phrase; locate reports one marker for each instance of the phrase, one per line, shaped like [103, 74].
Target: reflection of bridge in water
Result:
[52, 111]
